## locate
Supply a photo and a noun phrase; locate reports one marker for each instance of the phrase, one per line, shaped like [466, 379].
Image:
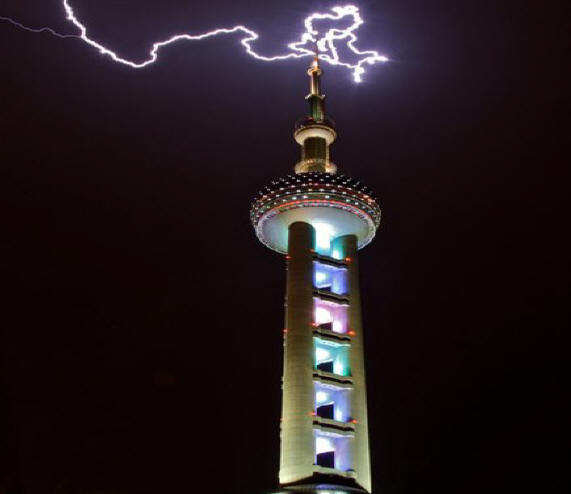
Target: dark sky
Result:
[144, 318]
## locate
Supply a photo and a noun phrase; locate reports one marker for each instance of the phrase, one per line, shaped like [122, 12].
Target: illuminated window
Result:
[337, 326]
[323, 235]
[321, 354]
[332, 278]
[331, 357]
[321, 397]
[333, 452]
[330, 313]
[323, 445]
[338, 367]
[321, 278]
[337, 399]
[322, 315]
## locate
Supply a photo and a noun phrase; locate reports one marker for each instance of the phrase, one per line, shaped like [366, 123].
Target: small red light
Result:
[351, 333]
[288, 257]
[314, 324]
[313, 414]
[347, 259]
[311, 250]
[354, 421]
[285, 330]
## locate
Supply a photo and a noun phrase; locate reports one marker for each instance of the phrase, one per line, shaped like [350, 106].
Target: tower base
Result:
[322, 484]
[319, 489]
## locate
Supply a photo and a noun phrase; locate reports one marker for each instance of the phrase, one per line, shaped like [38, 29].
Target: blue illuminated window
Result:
[330, 278]
[332, 403]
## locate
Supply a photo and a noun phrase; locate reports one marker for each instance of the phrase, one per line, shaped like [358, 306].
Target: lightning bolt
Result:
[327, 42]
[40, 30]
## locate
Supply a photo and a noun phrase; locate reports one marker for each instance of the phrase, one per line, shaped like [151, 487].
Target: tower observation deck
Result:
[319, 220]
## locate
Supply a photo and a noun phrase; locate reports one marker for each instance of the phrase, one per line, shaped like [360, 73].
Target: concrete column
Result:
[360, 444]
[297, 444]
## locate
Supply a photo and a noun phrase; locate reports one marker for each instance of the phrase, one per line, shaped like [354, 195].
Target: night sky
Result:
[143, 325]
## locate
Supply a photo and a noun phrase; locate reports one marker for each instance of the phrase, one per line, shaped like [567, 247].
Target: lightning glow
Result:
[327, 41]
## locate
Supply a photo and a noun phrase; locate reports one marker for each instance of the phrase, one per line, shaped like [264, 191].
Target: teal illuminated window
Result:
[333, 356]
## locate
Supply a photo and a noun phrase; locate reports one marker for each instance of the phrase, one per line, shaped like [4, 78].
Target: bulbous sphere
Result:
[334, 205]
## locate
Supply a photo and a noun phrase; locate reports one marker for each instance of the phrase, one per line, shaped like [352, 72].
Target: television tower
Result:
[319, 220]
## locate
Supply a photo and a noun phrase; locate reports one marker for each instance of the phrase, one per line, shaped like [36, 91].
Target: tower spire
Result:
[315, 132]
[315, 98]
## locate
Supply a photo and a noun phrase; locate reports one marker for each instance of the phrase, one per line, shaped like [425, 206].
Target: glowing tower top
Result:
[315, 133]
[319, 220]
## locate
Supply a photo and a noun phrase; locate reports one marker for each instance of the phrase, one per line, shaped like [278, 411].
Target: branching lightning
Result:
[39, 30]
[327, 42]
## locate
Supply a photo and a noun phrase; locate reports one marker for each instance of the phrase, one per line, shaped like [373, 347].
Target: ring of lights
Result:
[313, 197]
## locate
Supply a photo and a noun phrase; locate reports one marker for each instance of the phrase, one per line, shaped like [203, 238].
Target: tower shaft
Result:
[297, 450]
[324, 407]
[360, 443]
